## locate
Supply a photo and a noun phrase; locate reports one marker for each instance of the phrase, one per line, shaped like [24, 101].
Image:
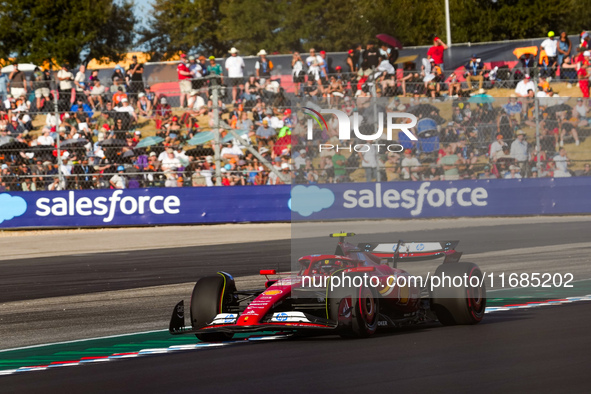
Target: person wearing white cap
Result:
[235, 67]
[525, 85]
[125, 107]
[263, 66]
[45, 138]
[300, 161]
[196, 104]
[513, 173]
[144, 106]
[196, 75]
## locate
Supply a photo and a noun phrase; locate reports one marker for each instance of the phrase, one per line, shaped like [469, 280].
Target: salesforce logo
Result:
[11, 207]
[105, 206]
[307, 200]
[415, 200]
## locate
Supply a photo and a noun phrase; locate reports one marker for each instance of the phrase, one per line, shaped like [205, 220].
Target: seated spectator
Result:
[454, 86]
[163, 113]
[487, 174]
[144, 106]
[119, 130]
[125, 107]
[196, 104]
[496, 148]
[527, 61]
[45, 138]
[568, 70]
[410, 166]
[474, 72]
[252, 89]
[561, 161]
[432, 173]
[524, 86]
[586, 171]
[118, 95]
[171, 131]
[505, 125]
[513, 107]
[56, 184]
[96, 96]
[450, 163]
[519, 149]
[15, 127]
[244, 123]
[119, 181]
[335, 90]
[231, 152]
[312, 90]
[513, 173]
[568, 127]
[265, 135]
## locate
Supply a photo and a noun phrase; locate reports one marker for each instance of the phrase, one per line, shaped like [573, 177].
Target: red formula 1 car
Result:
[353, 293]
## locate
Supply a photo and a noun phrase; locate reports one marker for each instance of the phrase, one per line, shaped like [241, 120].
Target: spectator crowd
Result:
[99, 124]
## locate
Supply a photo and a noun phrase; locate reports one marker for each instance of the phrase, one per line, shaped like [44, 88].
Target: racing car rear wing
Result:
[413, 251]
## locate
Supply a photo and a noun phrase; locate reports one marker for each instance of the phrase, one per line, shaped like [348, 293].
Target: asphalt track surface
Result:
[35, 278]
[538, 350]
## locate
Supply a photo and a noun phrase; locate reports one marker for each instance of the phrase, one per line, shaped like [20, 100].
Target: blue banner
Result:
[499, 197]
[160, 206]
[136, 207]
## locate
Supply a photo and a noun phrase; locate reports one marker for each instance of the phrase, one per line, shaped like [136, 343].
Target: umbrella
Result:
[481, 99]
[129, 153]
[230, 137]
[200, 151]
[422, 109]
[73, 142]
[201, 138]
[393, 42]
[558, 108]
[406, 59]
[149, 141]
[14, 145]
[24, 67]
[113, 142]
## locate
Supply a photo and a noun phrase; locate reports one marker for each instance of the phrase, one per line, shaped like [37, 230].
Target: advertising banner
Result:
[387, 200]
[136, 207]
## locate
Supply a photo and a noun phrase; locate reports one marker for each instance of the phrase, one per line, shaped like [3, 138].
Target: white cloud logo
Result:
[11, 206]
[307, 200]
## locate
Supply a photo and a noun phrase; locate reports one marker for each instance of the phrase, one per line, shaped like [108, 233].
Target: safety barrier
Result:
[169, 206]
[141, 207]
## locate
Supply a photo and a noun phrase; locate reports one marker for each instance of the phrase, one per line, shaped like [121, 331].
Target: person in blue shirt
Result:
[87, 108]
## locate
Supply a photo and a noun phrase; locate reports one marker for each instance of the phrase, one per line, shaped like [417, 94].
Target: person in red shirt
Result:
[436, 52]
[184, 79]
[583, 63]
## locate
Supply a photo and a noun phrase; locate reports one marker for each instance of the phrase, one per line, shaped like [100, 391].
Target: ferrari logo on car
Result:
[272, 292]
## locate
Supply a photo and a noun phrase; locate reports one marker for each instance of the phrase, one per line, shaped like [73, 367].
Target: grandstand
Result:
[141, 124]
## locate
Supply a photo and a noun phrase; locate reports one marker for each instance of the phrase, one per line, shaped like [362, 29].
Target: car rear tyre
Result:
[463, 304]
[354, 310]
[211, 296]
[365, 312]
